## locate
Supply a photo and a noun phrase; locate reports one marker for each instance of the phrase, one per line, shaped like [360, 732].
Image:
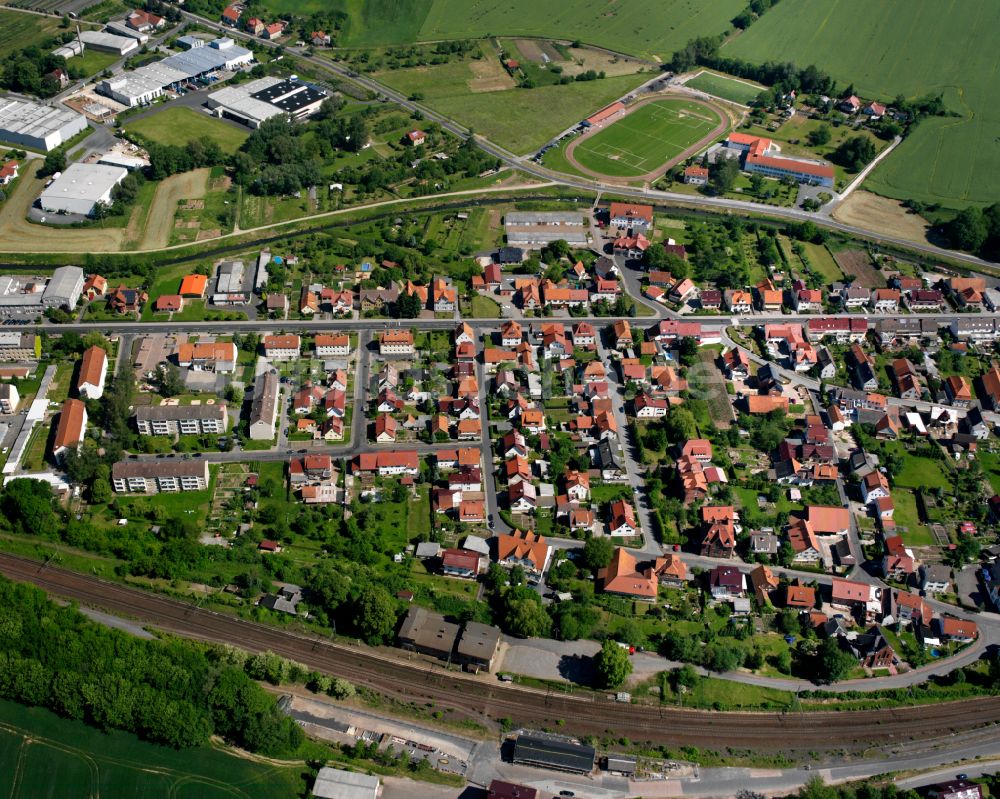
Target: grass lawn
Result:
[990, 462]
[418, 514]
[519, 119]
[737, 90]
[951, 160]
[93, 62]
[906, 517]
[822, 261]
[177, 125]
[920, 472]
[56, 757]
[19, 30]
[485, 308]
[647, 138]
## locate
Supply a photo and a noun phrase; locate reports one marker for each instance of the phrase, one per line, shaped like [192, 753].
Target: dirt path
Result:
[20, 235]
[726, 121]
[185, 186]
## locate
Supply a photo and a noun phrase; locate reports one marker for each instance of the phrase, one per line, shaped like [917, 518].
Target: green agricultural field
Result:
[519, 119]
[647, 138]
[44, 757]
[652, 28]
[19, 30]
[739, 91]
[178, 126]
[822, 261]
[904, 47]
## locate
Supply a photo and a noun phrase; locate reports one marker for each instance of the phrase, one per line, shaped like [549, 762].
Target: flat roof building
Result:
[41, 127]
[146, 83]
[538, 228]
[123, 30]
[335, 783]
[554, 753]
[252, 103]
[80, 188]
[230, 276]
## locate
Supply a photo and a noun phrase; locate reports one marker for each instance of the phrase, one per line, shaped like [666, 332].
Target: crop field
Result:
[45, 757]
[651, 28]
[647, 138]
[739, 91]
[178, 126]
[19, 30]
[903, 47]
[519, 119]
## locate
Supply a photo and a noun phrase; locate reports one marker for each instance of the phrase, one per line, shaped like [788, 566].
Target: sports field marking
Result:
[646, 138]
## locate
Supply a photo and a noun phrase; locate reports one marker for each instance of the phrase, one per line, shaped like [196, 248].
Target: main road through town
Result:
[525, 164]
[484, 699]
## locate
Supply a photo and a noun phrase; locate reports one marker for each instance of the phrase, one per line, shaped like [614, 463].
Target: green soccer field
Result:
[645, 139]
[913, 48]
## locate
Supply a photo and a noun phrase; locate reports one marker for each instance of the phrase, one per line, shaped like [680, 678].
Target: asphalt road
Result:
[482, 698]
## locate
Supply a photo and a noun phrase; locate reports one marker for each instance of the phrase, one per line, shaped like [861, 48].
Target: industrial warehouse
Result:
[252, 103]
[41, 127]
[80, 188]
[145, 84]
[20, 296]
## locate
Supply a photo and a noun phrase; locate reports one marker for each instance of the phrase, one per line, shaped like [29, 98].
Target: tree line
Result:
[170, 692]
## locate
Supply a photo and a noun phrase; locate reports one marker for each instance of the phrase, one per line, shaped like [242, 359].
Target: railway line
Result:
[475, 698]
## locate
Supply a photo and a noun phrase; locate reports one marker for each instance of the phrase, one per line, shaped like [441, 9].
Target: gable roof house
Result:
[624, 577]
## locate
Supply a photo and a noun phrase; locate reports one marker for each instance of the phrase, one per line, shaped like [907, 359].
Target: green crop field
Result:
[650, 28]
[739, 91]
[178, 125]
[640, 27]
[519, 119]
[913, 48]
[19, 30]
[45, 757]
[646, 138]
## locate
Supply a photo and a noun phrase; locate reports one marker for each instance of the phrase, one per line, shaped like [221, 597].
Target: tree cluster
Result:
[976, 230]
[169, 692]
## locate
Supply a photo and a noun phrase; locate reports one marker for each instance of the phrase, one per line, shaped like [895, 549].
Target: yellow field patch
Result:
[185, 186]
[17, 234]
[489, 76]
[874, 212]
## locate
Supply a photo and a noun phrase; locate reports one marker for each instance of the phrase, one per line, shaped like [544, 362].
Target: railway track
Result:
[468, 697]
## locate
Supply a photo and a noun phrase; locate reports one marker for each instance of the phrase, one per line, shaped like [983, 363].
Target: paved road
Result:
[526, 165]
[632, 466]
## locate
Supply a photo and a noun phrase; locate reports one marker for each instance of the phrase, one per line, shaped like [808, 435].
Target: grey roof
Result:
[334, 783]
[479, 641]
[475, 543]
[34, 119]
[265, 398]
[554, 753]
[428, 549]
[532, 218]
[164, 468]
[176, 413]
[230, 277]
[429, 631]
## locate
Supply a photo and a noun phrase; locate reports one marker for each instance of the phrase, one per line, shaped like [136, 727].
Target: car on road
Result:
[962, 776]
[566, 793]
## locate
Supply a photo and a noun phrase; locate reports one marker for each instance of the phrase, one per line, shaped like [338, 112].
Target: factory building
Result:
[145, 84]
[80, 188]
[251, 103]
[40, 127]
[108, 42]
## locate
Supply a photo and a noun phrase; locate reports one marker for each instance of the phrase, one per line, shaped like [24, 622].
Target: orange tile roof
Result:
[94, 361]
[194, 286]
